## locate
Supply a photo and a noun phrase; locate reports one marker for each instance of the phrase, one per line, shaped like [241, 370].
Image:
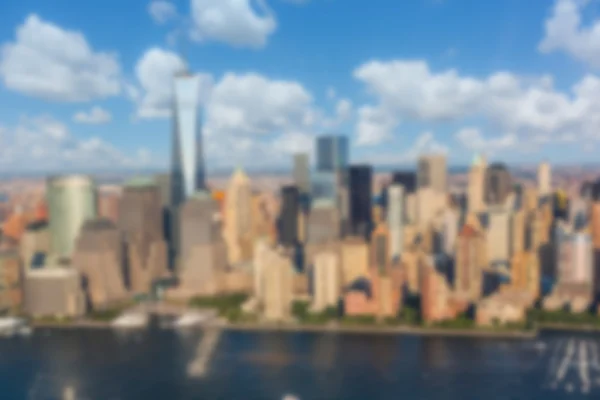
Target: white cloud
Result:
[42, 143]
[409, 90]
[472, 139]
[96, 115]
[253, 104]
[424, 143]
[240, 23]
[343, 113]
[48, 62]
[154, 73]
[565, 32]
[162, 11]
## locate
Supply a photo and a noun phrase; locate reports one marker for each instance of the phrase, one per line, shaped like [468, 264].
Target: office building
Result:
[332, 153]
[360, 183]
[432, 173]
[35, 245]
[142, 226]
[11, 294]
[470, 261]
[355, 260]
[288, 216]
[476, 185]
[395, 219]
[544, 178]
[71, 201]
[380, 250]
[407, 179]
[575, 258]
[323, 222]
[499, 236]
[302, 173]
[98, 256]
[187, 169]
[53, 292]
[326, 281]
[238, 218]
[203, 250]
[277, 285]
[498, 184]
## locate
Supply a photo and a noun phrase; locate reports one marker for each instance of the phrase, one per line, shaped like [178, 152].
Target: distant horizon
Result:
[224, 172]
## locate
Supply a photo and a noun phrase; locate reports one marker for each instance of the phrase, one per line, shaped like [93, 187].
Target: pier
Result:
[197, 368]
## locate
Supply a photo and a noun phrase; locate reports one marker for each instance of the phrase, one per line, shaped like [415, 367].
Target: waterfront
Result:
[152, 364]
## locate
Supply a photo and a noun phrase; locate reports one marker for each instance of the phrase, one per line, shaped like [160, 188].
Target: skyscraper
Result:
[238, 217]
[359, 177]
[476, 187]
[302, 172]
[544, 179]
[395, 219]
[71, 201]
[432, 172]
[187, 173]
[288, 217]
[332, 161]
[497, 184]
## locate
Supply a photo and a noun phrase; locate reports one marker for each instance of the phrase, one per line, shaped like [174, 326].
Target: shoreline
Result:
[347, 329]
[380, 330]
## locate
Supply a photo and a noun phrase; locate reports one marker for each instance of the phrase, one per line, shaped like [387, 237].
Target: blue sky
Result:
[87, 84]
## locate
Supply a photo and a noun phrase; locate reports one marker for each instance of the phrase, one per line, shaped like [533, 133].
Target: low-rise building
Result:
[53, 292]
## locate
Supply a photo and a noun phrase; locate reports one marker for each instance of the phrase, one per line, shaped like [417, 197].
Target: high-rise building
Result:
[355, 259]
[544, 177]
[395, 219]
[331, 162]
[71, 201]
[476, 188]
[187, 170]
[470, 260]
[99, 255]
[380, 250]
[54, 292]
[326, 281]
[575, 257]
[323, 222]
[498, 184]
[277, 285]
[35, 245]
[11, 282]
[288, 217]
[302, 173]
[360, 179]
[238, 217]
[142, 225]
[407, 179]
[432, 173]
[203, 250]
[499, 235]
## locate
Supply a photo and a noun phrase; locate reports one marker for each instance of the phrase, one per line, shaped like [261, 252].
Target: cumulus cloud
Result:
[162, 11]
[424, 143]
[154, 73]
[96, 115]
[565, 31]
[472, 139]
[43, 143]
[49, 62]
[240, 23]
[409, 90]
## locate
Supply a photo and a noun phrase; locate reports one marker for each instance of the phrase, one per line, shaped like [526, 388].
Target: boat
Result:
[131, 321]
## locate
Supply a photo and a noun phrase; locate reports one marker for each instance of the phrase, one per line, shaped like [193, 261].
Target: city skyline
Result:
[104, 102]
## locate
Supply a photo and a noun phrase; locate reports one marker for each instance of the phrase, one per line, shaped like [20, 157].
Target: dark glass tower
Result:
[498, 184]
[360, 178]
[288, 217]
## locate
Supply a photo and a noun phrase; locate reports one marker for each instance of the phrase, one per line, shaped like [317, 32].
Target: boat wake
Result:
[574, 366]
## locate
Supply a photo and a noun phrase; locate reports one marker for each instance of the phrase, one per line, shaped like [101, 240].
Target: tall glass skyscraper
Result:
[187, 173]
[332, 162]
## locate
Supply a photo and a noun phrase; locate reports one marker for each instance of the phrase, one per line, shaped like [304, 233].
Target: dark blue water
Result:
[152, 365]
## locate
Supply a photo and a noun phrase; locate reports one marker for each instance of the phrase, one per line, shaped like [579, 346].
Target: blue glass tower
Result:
[187, 171]
[332, 162]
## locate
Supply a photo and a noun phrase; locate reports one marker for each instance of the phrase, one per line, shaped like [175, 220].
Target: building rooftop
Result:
[141, 182]
[98, 224]
[49, 273]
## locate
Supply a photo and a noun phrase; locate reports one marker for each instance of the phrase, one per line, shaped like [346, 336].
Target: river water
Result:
[105, 365]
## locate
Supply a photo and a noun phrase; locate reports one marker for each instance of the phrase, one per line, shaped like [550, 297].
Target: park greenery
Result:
[301, 311]
[228, 306]
[563, 317]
